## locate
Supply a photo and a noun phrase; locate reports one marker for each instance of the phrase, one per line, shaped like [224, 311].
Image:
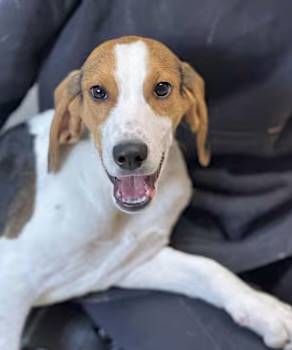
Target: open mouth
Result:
[134, 192]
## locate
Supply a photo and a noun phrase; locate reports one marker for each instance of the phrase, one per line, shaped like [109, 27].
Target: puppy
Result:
[103, 214]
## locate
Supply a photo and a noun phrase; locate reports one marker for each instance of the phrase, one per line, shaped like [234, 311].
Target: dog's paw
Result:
[265, 315]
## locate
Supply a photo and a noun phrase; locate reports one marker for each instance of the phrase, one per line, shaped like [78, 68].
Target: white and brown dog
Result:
[72, 230]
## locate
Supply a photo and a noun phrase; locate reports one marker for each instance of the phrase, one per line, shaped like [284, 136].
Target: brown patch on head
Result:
[164, 66]
[187, 97]
[98, 70]
[76, 107]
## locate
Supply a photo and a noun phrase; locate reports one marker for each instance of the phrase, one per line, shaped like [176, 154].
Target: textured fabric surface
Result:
[240, 213]
[61, 327]
[129, 320]
[145, 320]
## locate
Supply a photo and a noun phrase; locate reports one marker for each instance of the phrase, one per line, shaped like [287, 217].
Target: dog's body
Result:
[76, 240]
[100, 243]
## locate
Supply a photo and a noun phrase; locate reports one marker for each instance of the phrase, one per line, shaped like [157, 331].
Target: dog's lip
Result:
[139, 203]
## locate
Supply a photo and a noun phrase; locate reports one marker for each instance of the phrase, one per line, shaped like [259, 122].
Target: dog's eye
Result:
[98, 92]
[162, 89]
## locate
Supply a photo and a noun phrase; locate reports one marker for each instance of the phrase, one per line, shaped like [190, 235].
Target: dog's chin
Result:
[133, 193]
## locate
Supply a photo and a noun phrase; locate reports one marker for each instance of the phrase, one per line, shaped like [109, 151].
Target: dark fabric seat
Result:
[145, 320]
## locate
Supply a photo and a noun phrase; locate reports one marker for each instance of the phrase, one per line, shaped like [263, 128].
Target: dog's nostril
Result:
[121, 159]
[139, 159]
[130, 156]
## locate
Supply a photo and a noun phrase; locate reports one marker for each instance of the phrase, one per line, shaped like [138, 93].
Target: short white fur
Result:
[72, 245]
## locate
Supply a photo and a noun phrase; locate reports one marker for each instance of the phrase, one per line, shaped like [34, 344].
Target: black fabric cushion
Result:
[61, 327]
[145, 320]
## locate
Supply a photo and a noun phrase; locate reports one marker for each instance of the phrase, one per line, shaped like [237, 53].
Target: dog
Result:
[101, 213]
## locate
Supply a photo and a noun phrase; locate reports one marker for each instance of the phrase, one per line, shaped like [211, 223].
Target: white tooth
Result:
[135, 200]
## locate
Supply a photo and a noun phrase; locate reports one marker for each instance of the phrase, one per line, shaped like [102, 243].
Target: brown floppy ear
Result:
[197, 114]
[66, 124]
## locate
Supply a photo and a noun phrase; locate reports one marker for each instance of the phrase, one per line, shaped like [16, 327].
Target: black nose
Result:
[130, 155]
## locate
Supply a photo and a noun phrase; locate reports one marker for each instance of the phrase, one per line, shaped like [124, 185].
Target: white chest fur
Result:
[77, 240]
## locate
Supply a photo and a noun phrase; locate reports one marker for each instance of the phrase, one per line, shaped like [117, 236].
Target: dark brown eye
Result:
[98, 92]
[162, 89]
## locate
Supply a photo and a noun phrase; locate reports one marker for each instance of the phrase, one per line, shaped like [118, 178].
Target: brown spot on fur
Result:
[164, 67]
[98, 70]
[75, 107]
[21, 209]
[187, 98]
[20, 212]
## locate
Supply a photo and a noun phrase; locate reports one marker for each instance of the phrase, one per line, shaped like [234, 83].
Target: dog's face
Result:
[131, 94]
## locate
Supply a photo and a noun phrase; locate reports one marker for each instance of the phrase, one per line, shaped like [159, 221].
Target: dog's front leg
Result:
[16, 299]
[14, 308]
[203, 278]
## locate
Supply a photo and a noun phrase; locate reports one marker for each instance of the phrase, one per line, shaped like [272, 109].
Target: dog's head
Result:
[131, 94]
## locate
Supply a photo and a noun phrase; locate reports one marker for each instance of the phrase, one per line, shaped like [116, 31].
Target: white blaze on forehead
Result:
[131, 70]
[132, 118]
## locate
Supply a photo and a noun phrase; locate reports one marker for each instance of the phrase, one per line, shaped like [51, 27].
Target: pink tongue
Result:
[132, 186]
